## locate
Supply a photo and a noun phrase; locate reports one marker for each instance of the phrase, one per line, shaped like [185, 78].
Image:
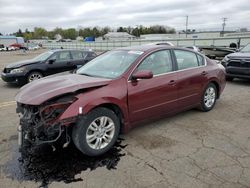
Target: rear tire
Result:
[209, 97]
[96, 133]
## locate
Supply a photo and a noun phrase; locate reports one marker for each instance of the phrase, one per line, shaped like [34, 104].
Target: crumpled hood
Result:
[239, 55]
[44, 89]
[22, 63]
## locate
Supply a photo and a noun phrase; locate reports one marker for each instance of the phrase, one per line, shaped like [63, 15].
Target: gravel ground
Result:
[191, 149]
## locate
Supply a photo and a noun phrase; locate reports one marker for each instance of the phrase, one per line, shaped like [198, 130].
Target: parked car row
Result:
[16, 46]
[9, 48]
[111, 94]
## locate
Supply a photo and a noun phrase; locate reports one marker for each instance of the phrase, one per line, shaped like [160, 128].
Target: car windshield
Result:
[43, 56]
[246, 48]
[110, 64]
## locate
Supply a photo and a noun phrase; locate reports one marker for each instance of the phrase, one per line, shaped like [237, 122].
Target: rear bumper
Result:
[13, 78]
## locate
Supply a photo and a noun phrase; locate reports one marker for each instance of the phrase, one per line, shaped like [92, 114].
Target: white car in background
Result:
[33, 47]
[2, 47]
[11, 48]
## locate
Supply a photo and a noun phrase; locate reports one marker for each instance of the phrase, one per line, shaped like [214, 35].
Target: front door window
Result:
[158, 62]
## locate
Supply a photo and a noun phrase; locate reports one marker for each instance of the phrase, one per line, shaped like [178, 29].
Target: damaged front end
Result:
[41, 124]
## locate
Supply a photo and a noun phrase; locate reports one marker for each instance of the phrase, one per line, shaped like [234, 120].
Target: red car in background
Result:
[19, 46]
[115, 92]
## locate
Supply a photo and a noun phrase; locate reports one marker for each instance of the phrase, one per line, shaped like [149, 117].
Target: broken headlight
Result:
[53, 109]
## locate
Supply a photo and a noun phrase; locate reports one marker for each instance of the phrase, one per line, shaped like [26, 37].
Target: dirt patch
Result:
[156, 141]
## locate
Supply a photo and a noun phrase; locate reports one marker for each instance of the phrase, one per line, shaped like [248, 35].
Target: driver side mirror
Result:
[51, 61]
[142, 74]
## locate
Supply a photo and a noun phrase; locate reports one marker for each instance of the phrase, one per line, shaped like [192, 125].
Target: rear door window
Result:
[186, 59]
[64, 56]
[77, 55]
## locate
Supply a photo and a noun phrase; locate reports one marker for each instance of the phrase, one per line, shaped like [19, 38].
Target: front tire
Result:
[95, 133]
[34, 76]
[209, 97]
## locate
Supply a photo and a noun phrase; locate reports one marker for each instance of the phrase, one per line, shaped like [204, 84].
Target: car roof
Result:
[61, 50]
[144, 48]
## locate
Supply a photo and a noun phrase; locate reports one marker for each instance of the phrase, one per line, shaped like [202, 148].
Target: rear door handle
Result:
[204, 73]
[171, 82]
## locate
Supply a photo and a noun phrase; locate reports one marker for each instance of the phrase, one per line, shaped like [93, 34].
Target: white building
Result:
[79, 38]
[9, 40]
[58, 37]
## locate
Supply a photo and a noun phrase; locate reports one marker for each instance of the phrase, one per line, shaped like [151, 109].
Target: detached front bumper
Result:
[42, 124]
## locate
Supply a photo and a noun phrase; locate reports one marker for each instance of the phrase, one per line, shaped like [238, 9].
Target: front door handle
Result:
[204, 73]
[171, 82]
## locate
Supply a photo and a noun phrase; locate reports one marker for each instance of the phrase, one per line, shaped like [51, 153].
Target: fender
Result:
[80, 107]
[93, 98]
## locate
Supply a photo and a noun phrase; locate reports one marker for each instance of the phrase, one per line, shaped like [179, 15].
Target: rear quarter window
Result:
[201, 60]
[92, 55]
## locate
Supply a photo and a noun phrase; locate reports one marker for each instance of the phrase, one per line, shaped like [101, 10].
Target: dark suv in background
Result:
[238, 64]
[48, 63]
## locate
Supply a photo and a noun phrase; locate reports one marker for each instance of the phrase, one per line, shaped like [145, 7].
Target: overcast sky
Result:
[203, 14]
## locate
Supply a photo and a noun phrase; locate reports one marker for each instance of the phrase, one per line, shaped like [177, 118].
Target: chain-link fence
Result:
[109, 45]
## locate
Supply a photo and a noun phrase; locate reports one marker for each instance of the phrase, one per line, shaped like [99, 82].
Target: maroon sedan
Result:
[113, 93]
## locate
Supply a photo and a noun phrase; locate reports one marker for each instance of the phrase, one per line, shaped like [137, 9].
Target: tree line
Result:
[72, 33]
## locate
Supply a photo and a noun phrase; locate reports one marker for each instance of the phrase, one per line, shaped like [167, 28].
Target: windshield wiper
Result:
[85, 74]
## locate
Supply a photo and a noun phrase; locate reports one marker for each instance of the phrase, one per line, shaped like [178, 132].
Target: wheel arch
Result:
[117, 110]
[217, 87]
[82, 108]
[35, 70]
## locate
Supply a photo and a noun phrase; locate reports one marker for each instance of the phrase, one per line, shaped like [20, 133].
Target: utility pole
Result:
[138, 32]
[186, 25]
[223, 26]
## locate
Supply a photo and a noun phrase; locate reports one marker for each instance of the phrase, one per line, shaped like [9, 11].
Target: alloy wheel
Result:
[100, 132]
[34, 76]
[209, 98]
